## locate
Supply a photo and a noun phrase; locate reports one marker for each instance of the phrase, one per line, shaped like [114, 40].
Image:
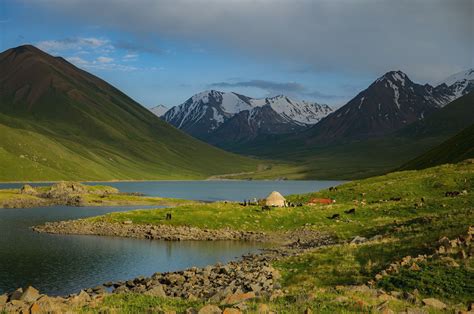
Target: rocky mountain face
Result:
[458, 84]
[221, 117]
[390, 103]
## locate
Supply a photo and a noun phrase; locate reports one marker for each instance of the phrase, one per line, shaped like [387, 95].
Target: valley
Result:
[236, 157]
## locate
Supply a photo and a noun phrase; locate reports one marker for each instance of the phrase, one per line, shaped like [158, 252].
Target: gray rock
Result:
[358, 240]
[156, 291]
[16, 295]
[434, 303]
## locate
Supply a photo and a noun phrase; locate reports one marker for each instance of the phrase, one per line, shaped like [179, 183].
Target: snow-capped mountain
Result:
[388, 104]
[459, 84]
[301, 112]
[237, 116]
[159, 110]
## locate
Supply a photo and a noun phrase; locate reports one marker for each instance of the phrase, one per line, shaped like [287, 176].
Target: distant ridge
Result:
[225, 118]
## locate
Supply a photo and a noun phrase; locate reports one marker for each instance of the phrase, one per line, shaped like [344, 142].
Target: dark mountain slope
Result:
[96, 131]
[447, 121]
[390, 103]
[455, 149]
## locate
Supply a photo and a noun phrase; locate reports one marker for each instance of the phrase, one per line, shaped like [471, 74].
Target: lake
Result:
[63, 264]
[232, 190]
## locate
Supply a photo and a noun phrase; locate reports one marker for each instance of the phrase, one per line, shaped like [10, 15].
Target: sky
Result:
[164, 51]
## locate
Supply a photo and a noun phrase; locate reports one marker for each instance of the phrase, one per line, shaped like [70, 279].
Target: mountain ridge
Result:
[104, 133]
[388, 104]
[206, 116]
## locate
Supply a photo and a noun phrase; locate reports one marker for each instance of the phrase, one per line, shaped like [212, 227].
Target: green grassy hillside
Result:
[401, 214]
[59, 122]
[455, 149]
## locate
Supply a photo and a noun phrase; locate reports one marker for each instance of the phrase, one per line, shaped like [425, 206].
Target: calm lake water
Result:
[63, 264]
[209, 190]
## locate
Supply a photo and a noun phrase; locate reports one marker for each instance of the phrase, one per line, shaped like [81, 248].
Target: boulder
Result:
[231, 310]
[81, 299]
[16, 295]
[16, 306]
[28, 189]
[30, 295]
[3, 299]
[35, 308]
[48, 305]
[210, 309]
[434, 303]
[358, 240]
[156, 291]
[238, 297]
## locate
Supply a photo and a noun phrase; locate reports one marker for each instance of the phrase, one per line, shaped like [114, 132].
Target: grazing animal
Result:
[333, 189]
[452, 193]
[168, 216]
[396, 199]
[299, 204]
[266, 207]
[350, 211]
[335, 216]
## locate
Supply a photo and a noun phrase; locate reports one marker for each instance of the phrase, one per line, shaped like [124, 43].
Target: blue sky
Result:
[162, 52]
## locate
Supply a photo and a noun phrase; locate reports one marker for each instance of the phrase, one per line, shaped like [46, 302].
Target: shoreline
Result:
[248, 277]
[166, 180]
[148, 231]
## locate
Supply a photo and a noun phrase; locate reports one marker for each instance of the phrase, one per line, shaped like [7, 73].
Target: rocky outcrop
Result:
[28, 190]
[461, 247]
[32, 301]
[61, 193]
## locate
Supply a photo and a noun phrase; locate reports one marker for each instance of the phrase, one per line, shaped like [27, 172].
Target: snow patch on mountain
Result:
[301, 112]
[460, 83]
[159, 110]
[224, 105]
[467, 75]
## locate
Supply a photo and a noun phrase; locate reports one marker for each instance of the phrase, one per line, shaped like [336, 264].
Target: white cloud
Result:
[104, 59]
[78, 44]
[101, 63]
[130, 57]
[77, 61]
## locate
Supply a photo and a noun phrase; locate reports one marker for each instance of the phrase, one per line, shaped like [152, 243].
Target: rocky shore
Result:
[232, 284]
[148, 231]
